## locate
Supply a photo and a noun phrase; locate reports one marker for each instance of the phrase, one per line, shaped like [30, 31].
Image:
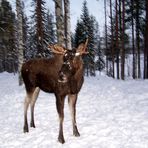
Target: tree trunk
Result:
[138, 38]
[146, 45]
[67, 24]
[59, 22]
[133, 42]
[39, 29]
[107, 68]
[117, 40]
[122, 48]
[112, 49]
[20, 39]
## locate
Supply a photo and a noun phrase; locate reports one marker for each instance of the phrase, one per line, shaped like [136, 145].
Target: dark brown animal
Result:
[61, 75]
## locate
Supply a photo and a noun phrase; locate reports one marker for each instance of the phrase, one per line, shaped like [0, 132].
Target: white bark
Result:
[20, 38]
[59, 21]
[67, 24]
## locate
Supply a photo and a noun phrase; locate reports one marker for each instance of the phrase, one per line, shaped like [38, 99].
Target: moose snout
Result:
[62, 77]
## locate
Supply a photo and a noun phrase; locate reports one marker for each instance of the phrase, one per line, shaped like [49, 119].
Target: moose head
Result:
[72, 60]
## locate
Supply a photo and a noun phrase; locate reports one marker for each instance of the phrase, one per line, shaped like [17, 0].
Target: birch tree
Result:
[20, 38]
[59, 21]
[67, 24]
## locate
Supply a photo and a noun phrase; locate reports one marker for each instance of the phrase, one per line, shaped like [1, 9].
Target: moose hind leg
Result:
[26, 105]
[60, 109]
[72, 99]
[32, 105]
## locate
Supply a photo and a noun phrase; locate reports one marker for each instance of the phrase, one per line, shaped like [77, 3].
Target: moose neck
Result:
[58, 57]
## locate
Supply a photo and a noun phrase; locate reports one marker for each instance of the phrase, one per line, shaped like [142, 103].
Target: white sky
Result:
[96, 8]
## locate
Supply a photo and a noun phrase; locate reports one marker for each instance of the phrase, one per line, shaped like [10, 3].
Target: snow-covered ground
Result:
[110, 114]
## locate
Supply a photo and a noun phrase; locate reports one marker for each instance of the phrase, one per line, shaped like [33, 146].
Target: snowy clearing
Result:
[110, 114]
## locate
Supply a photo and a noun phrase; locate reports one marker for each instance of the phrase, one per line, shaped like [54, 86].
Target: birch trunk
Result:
[59, 22]
[67, 24]
[20, 39]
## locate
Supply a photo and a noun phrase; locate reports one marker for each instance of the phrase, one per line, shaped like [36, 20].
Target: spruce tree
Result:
[40, 37]
[85, 29]
[79, 33]
[8, 57]
[50, 28]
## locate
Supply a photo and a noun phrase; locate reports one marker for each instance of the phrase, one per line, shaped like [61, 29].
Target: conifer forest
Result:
[119, 49]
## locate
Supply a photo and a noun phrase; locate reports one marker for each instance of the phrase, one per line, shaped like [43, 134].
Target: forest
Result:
[121, 52]
[112, 106]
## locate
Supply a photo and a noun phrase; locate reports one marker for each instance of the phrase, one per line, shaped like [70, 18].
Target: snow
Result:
[110, 114]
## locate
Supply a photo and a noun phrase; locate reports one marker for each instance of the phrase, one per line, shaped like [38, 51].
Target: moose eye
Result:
[68, 65]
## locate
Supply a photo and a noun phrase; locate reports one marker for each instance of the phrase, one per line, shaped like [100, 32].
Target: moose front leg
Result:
[72, 99]
[60, 109]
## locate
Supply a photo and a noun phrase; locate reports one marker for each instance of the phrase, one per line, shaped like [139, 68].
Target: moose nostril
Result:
[61, 74]
[62, 77]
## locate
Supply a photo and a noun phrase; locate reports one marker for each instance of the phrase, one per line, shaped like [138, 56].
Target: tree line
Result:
[125, 36]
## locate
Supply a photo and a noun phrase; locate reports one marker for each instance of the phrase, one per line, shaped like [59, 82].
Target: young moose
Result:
[61, 75]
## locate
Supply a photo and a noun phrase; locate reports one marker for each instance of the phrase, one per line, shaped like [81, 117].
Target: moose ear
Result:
[57, 49]
[82, 48]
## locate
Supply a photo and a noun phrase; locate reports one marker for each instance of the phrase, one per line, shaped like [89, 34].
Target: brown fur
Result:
[44, 74]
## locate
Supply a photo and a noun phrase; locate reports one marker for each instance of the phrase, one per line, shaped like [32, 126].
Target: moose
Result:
[62, 75]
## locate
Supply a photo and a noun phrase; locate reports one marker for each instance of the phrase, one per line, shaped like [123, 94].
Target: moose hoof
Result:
[32, 124]
[76, 134]
[61, 140]
[26, 130]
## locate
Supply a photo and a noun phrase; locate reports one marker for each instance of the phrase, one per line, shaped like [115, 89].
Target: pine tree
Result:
[135, 12]
[100, 63]
[106, 38]
[50, 28]
[79, 33]
[123, 42]
[146, 44]
[117, 38]
[112, 40]
[86, 29]
[25, 32]
[88, 25]
[38, 25]
[8, 57]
